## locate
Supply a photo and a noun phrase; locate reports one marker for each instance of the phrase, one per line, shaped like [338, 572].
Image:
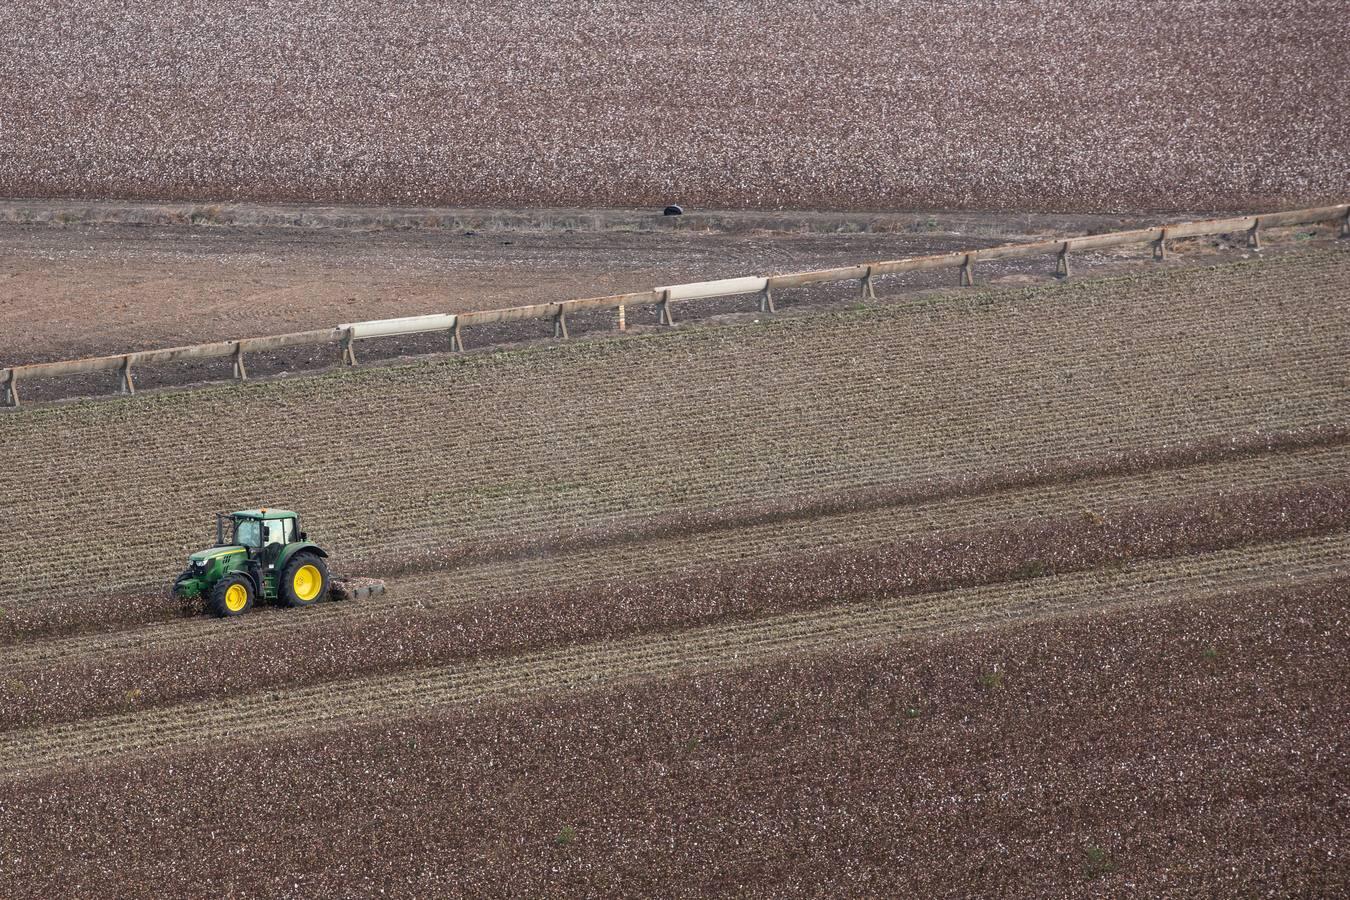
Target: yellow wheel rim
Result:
[236, 595]
[306, 583]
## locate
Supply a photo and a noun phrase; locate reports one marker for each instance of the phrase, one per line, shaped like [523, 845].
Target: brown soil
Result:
[405, 461]
[1171, 749]
[622, 607]
[672, 545]
[1033, 590]
[67, 292]
[97, 285]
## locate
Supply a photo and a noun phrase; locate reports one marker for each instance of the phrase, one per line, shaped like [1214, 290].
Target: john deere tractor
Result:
[258, 554]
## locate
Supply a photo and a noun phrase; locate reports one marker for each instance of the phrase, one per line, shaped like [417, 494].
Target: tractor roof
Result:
[265, 513]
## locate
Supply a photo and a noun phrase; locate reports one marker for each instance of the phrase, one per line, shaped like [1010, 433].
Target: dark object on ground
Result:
[673, 210]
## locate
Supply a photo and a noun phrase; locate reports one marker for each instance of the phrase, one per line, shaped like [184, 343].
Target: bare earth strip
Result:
[72, 292]
[403, 460]
[480, 583]
[736, 644]
[68, 291]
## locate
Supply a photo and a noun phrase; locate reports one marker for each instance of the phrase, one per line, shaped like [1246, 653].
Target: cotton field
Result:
[1096, 106]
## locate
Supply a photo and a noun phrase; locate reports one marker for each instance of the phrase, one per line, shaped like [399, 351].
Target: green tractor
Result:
[259, 554]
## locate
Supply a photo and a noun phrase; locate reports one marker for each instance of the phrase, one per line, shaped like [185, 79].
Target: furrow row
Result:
[494, 445]
[667, 556]
[695, 649]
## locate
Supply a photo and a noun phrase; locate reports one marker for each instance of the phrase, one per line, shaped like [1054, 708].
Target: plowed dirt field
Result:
[1038, 590]
[397, 464]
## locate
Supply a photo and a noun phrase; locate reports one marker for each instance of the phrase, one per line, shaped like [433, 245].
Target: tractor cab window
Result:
[248, 532]
[277, 530]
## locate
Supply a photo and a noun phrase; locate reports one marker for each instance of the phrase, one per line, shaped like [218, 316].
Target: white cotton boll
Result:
[1036, 105]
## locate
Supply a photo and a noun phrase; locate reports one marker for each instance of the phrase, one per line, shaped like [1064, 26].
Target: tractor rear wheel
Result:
[231, 596]
[304, 580]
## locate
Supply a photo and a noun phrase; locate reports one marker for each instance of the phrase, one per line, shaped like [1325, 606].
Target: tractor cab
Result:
[259, 532]
[258, 554]
[248, 526]
[263, 533]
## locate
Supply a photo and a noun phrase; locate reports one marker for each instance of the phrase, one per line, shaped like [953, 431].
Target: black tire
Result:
[293, 592]
[179, 580]
[220, 599]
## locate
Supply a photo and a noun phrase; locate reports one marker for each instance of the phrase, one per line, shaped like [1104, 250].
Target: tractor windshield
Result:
[248, 532]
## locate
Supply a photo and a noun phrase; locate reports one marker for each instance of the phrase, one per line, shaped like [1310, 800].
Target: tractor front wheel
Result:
[304, 580]
[232, 596]
[178, 582]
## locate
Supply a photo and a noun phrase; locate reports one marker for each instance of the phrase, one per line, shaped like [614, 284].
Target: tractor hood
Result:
[212, 552]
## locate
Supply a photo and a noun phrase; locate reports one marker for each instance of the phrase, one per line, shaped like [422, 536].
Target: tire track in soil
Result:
[734, 644]
[662, 557]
